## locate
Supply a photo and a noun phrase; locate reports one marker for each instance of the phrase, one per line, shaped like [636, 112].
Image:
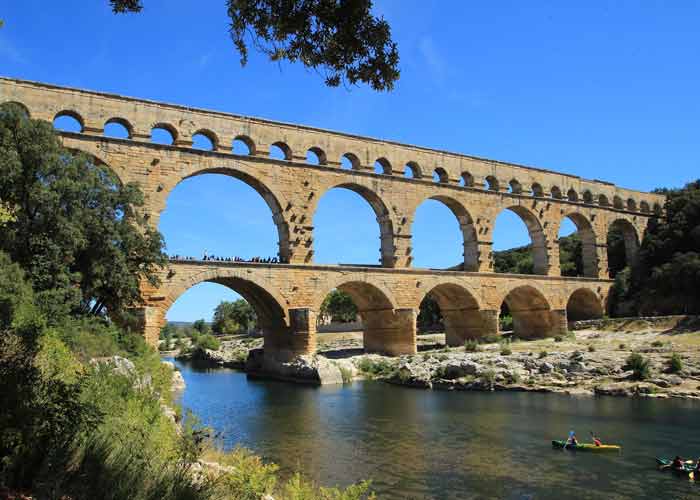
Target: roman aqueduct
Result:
[287, 295]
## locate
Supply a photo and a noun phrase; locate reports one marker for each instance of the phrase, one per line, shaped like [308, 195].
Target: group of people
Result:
[216, 258]
[679, 464]
[572, 441]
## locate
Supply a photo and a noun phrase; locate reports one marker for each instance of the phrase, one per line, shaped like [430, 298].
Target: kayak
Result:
[687, 470]
[586, 446]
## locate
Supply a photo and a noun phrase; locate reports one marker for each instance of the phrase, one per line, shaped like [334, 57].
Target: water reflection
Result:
[424, 444]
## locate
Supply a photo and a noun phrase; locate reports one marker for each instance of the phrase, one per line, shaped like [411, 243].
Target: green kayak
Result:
[687, 470]
[586, 446]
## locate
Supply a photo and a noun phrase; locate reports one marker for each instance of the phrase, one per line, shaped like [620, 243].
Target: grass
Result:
[505, 348]
[675, 363]
[346, 374]
[471, 345]
[376, 367]
[640, 366]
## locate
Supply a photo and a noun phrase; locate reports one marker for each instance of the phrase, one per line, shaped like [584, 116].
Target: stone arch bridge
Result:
[394, 179]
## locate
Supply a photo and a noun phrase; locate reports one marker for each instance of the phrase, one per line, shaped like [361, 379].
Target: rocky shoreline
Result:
[587, 362]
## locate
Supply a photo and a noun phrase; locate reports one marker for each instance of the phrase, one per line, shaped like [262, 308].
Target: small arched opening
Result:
[243, 145]
[68, 121]
[280, 151]
[316, 156]
[537, 190]
[556, 192]
[382, 166]
[491, 183]
[118, 128]
[163, 133]
[412, 170]
[572, 195]
[204, 140]
[349, 161]
[466, 180]
[440, 176]
[514, 187]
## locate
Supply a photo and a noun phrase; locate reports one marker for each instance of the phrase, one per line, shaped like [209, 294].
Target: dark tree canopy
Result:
[71, 226]
[340, 38]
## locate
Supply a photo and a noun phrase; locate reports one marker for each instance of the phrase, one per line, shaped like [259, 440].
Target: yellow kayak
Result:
[586, 446]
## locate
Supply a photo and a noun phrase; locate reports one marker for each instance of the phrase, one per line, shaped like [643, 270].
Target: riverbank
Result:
[590, 361]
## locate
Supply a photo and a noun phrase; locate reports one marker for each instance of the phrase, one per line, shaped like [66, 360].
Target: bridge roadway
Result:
[287, 299]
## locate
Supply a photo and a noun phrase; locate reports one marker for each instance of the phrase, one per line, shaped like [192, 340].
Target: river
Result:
[431, 444]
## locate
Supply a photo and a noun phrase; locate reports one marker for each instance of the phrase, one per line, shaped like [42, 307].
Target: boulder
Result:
[312, 369]
[457, 369]
[413, 375]
[546, 367]
[619, 390]
[178, 382]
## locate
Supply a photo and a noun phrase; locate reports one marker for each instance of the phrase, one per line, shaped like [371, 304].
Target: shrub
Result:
[591, 348]
[505, 349]
[675, 363]
[207, 341]
[490, 339]
[488, 377]
[345, 374]
[622, 347]
[657, 343]
[375, 367]
[543, 354]
[640, 366]
[471, 345]
[558, 338]
[506, 323]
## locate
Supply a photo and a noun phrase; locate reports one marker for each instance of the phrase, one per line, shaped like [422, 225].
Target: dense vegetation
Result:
[82, 398]
[665, 278]
[342, 39]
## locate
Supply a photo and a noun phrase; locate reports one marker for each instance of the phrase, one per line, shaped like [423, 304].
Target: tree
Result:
[74, 229]
[201, 327]
[340, 37]
[233, 317]
[665, 278]
[429, 315]
[339, 306]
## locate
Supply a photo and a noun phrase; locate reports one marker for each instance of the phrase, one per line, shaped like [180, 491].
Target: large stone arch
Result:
[270, 198]
[461, 312]
[538, 239]
[582, 304]
[466, 226]
[262, 296]
[630, 237]
[386, 330]
[532, 313]
[588, 242]
[97, 154]
[386, 225]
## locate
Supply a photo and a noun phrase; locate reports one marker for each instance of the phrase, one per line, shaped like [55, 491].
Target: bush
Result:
[207, 341]
[543, 354]
[375, 367]
[471, 345]
[488, 377]
[505, 348]
[622, 347]
[675, 363]
[657, 343]
[591, 348]
[640, 366]
[558, 338]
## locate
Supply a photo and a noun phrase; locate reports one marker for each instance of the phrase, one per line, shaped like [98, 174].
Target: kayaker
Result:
[572, 440]
[678, 463]
[697, 470]
[596, 441]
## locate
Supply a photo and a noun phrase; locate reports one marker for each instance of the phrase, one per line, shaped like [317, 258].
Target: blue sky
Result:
[604, 90]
